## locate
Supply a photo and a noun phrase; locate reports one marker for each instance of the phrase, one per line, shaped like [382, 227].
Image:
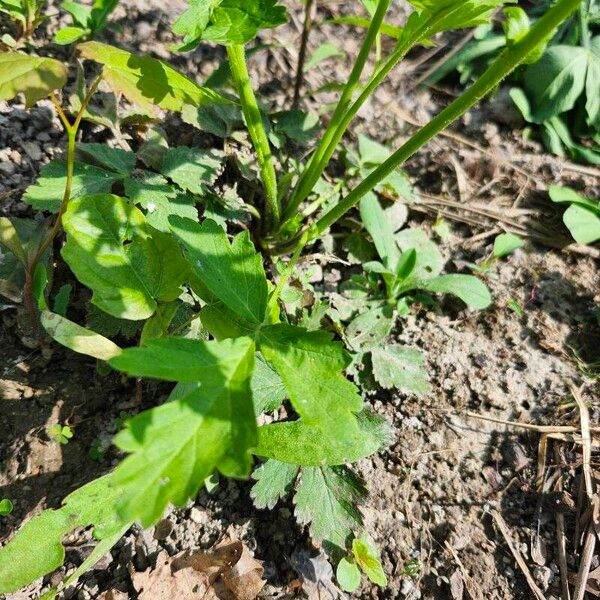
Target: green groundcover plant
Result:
[209, 318]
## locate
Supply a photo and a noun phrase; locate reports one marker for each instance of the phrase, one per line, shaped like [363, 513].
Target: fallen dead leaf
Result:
[228, 572]
[162, 582]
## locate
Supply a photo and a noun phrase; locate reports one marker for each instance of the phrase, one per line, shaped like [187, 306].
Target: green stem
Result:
[502, 67]
[307, 179]
[584, 26]
[71, 130]
[256, 129]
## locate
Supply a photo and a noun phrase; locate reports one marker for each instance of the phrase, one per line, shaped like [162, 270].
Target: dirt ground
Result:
[436, 488]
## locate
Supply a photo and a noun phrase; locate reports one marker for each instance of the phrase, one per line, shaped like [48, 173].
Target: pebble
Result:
[198, 516]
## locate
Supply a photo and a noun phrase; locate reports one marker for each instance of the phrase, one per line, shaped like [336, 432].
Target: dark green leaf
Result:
[233, 273]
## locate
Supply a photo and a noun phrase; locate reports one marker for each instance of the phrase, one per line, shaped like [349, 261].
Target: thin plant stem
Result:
[584, 26]
[257, 133]
[288, 272]
[502, 67]
[308, 19]
[306, 183]
[71, 130]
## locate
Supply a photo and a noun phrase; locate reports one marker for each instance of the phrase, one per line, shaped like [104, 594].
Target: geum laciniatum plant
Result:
[133, 236]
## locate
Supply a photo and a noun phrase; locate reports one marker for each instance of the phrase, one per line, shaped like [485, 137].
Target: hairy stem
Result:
[502, 67]
[313, 170]
[257, 133]
[308, 19]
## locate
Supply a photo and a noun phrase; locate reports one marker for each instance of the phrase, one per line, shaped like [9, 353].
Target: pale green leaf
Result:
[400, 368]
[274, 481]
[192, 169]
[348, 575]
[584, 224]
[233, 272]
[48, 191]
[146, 81]
[69, 35]
[33, 76]
[367, 558]
[505, 243]
[128, 265]
[555, 82]
[592, 84]
[37, 547]
[227, 21]
[173, 448]
[370, 327]
[296, 443]
[268, 391]
[77, 338]
[379, 226]
[322, 53]
[471, 290]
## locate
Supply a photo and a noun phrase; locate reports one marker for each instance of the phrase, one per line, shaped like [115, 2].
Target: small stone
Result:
[163, 529]
[198, 516]
[7, 168]
[543, 577]
[33, 150]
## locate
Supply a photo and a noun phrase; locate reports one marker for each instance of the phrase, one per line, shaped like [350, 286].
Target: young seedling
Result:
[87, 20]
[582, 216]
[504, 244]
[61, 434]
[26, 15]
[364, 557]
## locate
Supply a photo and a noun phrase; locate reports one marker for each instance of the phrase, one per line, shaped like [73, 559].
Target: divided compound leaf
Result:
[327, 499]
[233, 273]
[33, 76]
[312, 366]
[145, 81]
[48, 191]
[268, 390]
[192, 169]
[296, 443]
[227, 22]
[209, 425]
[112, 250]
[274, 481]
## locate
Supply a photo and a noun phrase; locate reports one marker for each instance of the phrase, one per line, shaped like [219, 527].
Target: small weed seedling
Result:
[61, 434]
[26, 16]
[582, 216]
[198, 300]
[87, 20]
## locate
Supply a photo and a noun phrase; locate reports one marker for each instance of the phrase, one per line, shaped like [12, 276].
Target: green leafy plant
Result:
[364, 557]
[210, 321]
[26, 15]
[87, 20]
[582, 216]
[61, 434]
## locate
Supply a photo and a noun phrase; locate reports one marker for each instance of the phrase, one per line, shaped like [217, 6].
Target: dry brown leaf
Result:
[457, 586]
[161, 582]
[228, 572]
[113, 595]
